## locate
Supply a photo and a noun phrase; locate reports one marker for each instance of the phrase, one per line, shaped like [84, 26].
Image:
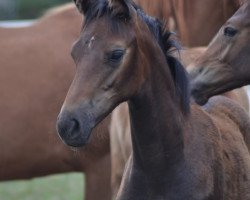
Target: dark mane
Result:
[164, 38]
[169, 45]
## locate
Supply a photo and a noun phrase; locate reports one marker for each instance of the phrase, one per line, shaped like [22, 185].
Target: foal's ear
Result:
[83, 5]
[120, 8]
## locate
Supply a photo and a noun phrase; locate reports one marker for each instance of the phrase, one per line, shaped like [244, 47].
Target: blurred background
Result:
[58, 187]
[25, 9]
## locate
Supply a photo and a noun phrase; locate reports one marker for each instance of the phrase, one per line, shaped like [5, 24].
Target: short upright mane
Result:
[165, 40]
[169, 45]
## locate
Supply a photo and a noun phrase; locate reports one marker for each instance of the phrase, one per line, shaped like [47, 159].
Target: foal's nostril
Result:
[74, 130]
[76, 124]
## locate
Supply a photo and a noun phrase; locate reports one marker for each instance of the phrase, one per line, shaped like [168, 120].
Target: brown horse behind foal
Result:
[179, 150]
[225, 64]
[36, 70]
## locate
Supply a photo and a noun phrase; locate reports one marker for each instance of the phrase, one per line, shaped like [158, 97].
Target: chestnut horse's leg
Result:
[98, 180]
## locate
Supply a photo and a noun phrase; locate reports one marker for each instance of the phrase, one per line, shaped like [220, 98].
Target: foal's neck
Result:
[156, 129]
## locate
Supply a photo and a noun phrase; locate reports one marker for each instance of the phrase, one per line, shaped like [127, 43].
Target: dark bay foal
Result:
[180, 152]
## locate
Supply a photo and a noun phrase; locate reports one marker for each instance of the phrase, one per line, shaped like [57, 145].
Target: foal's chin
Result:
[199, 98]
[79, 141]
[198, 94]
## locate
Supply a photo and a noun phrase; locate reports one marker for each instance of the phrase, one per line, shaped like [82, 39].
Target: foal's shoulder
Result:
[222, 115]
[223, 106]
[229, 116]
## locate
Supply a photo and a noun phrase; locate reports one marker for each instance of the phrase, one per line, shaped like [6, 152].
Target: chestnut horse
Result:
[157, 8]
[225, 64]
[120, 139]
[36, 70]
[190, 18]
[197, 21]
[180, 151]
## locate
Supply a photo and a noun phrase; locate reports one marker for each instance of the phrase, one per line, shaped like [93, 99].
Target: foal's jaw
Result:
[75, 123]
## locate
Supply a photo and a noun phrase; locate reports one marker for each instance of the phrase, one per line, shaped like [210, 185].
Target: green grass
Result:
[57, 187]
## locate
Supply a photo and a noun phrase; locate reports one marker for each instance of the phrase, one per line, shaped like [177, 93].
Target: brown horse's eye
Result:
[230, 31]
[116, 56]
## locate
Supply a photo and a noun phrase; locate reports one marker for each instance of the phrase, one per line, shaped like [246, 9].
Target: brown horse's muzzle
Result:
[198, 95]
[75, 129]
[197, 86]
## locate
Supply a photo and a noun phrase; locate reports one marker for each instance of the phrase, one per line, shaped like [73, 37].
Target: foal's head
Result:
[113, 61]
[225, 64]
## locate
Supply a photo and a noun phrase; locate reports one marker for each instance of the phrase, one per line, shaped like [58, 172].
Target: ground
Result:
[57, 187]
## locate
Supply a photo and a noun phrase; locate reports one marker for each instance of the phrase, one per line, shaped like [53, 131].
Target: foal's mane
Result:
[169, 45]
[164, 38]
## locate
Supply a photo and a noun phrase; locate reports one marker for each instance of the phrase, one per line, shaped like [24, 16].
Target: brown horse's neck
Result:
[156, 129]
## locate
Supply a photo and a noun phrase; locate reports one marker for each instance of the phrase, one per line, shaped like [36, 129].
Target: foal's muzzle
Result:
[74, 130]
[198, 87]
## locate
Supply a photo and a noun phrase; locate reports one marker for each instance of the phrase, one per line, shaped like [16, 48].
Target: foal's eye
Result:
[116, 56]
[230, 31]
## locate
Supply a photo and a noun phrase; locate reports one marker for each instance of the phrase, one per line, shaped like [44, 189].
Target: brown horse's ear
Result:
[120, 8]
[83, 5]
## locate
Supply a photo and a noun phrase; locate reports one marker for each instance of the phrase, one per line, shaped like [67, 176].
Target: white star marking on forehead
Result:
[91, 41]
